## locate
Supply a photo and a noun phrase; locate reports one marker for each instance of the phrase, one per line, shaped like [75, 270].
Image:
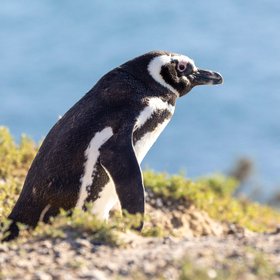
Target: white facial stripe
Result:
[154, 103]
[144, 144]
[154, 68]
[91, 154]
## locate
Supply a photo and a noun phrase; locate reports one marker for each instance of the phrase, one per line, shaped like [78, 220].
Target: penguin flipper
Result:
[117, 156]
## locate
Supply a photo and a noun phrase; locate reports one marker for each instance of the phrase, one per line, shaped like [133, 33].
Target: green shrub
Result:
[14, 163]
[215, 196]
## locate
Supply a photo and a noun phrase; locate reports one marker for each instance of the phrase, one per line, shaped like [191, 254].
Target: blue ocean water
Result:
[53, 52]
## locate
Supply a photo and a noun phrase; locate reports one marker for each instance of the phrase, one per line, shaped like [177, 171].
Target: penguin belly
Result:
[150, 123]
[107, 197]
[107, 200]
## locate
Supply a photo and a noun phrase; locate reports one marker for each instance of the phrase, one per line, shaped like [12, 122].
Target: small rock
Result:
[212, 273]
[84, 242]
[41, 275]
[159, 203]
[3, 248]
[176, 221]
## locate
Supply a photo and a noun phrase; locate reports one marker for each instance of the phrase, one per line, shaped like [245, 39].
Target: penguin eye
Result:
[181, 66]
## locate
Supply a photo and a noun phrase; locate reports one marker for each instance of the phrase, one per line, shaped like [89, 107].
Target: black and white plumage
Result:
[93, 153]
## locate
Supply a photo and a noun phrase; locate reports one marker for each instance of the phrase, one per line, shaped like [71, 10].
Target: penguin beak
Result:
[206, 77]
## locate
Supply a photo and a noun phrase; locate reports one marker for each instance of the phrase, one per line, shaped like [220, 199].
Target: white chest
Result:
[143, 145]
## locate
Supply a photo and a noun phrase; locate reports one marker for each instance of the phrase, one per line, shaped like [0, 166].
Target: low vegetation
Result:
[214, 194]
[14, 163]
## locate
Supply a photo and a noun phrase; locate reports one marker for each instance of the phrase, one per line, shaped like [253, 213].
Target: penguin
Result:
[93, 153]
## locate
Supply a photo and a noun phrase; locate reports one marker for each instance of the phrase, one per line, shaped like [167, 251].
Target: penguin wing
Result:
[117, 156]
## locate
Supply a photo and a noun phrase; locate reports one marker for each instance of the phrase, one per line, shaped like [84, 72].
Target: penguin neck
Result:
[155, 90]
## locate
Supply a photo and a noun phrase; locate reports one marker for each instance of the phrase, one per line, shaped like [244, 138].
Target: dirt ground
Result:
[196, 241]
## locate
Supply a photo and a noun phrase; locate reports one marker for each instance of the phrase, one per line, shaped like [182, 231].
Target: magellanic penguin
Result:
[93, 153]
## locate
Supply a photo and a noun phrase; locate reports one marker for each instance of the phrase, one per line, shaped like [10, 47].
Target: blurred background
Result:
[53, 52]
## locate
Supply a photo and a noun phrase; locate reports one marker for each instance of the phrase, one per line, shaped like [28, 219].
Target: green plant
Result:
[215, 196]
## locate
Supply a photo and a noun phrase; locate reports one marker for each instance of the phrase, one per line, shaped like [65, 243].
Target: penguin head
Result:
[179, 73]
[175, 72]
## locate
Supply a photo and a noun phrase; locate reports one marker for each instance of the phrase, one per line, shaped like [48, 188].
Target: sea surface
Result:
[53, 52]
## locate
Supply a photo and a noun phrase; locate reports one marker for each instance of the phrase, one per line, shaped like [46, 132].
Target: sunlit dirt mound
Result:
[182, 219]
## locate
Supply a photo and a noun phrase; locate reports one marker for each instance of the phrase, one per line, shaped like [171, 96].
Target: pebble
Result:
[41, 275]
